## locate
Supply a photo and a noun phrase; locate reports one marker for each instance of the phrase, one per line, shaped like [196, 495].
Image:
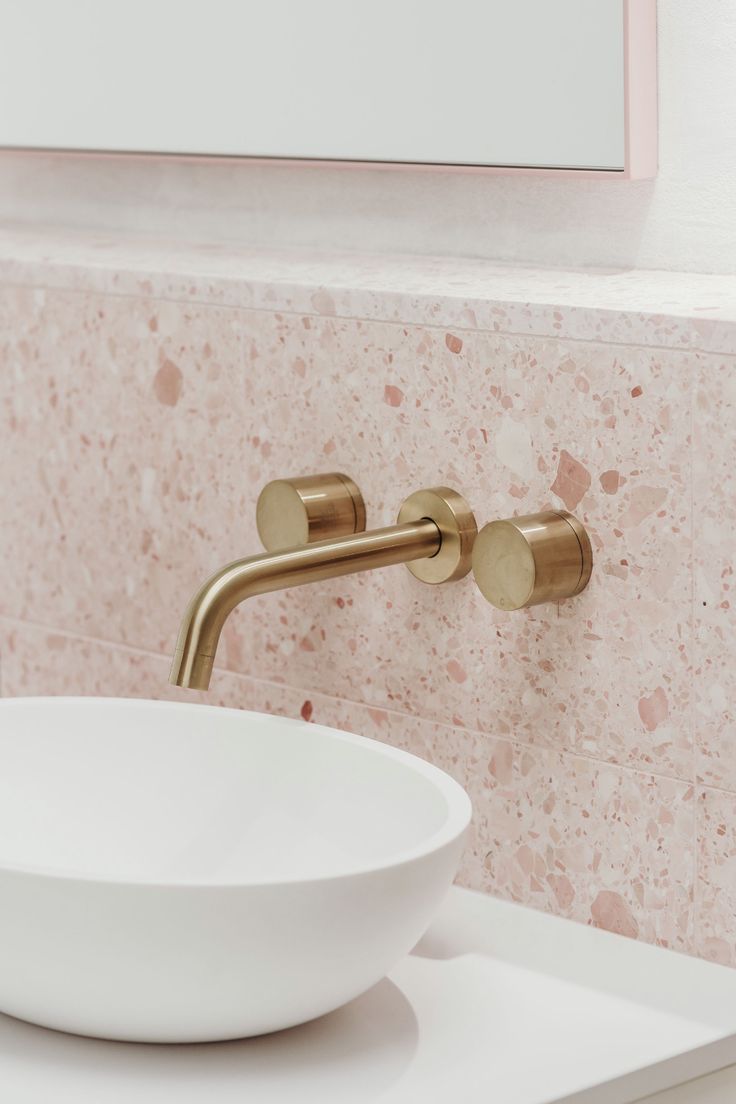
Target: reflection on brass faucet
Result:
[434, 536]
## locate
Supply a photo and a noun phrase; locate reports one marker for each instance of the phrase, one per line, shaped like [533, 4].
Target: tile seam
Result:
[538, 748]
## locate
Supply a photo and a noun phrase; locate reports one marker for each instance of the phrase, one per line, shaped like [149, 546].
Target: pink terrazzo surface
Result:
[138, 423]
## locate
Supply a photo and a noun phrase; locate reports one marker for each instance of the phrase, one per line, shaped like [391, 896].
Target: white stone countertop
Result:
[498, 1005]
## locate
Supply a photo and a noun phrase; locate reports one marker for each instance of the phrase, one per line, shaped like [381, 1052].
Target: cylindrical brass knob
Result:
[523, 561]
[308, 508]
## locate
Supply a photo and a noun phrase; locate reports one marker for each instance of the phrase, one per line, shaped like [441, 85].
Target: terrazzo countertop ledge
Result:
[660, 309]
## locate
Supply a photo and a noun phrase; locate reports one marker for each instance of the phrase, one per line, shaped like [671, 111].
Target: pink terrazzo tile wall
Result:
[597, 739]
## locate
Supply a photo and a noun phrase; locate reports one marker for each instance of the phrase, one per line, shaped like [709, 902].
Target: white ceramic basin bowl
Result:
[179, 873]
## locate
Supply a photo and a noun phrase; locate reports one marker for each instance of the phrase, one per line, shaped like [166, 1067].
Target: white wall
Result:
[686, 219]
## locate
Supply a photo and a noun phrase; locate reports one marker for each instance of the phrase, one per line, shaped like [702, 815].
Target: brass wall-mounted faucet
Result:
[313, 528]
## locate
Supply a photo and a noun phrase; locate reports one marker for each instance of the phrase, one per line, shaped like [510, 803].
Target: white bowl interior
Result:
[129, 790]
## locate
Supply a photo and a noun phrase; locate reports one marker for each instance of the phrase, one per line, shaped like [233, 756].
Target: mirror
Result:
[504, 84]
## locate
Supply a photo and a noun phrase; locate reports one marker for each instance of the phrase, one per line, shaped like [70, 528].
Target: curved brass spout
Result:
[310, 563]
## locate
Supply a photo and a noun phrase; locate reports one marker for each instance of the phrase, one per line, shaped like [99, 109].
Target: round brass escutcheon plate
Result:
[524, 561]
[308, 508]
[455, 520]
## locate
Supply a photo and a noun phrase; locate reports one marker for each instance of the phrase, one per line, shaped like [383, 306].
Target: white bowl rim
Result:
[458, 804]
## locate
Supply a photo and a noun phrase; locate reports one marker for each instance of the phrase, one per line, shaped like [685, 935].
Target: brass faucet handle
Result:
[524, 561]
[308, 508]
